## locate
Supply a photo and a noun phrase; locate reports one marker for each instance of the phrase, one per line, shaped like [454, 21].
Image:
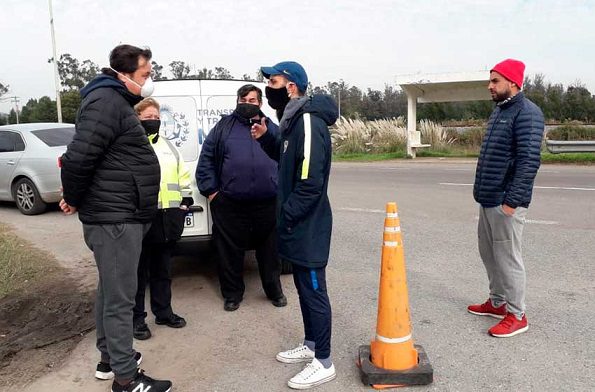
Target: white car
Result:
[29, 172]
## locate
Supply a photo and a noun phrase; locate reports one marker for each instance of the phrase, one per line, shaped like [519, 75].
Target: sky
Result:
[365, 43]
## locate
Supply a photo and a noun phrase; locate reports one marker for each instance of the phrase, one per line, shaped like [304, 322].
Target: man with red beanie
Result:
[506, 169]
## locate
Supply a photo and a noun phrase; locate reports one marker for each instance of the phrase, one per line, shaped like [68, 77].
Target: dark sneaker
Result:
[280, 302]
[231, 305]
[487, 309]
[142, 383]
[104, 370]
[141, 330]
[173, 321]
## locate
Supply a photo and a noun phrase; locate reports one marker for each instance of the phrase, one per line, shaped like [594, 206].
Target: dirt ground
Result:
[42, 321]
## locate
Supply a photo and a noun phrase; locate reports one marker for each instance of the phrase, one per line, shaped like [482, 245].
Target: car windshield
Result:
[56, 136]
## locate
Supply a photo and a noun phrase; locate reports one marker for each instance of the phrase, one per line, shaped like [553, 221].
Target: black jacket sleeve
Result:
[311, 173]
[207, 170]
[528, 133]
[271, 141]
[93, 136]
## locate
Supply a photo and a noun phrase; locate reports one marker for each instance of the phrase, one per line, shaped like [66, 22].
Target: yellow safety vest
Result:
[175, 177]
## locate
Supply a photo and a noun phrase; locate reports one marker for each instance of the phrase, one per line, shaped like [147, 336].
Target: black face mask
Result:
[151, 126]
[247, 110]
[278, 97]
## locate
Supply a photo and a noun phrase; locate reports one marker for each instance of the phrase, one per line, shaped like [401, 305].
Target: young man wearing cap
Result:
[506, 169]
[304, 218]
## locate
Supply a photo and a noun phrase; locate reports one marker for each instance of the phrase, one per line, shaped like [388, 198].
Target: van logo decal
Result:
[174, 125]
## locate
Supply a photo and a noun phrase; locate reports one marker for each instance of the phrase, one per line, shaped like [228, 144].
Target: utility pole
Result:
[14, 100]
[339, 101]
[16, 104]
[56, 75]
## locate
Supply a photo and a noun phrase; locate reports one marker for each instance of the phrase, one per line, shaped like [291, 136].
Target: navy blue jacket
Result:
[303, 149]
[233, 163]
[510, 154]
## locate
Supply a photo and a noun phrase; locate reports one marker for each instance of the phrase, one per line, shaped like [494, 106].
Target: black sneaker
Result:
[173, 321]
[141, 383]
[280, 302]
[104, 370]
[231, 305]
[141, 330]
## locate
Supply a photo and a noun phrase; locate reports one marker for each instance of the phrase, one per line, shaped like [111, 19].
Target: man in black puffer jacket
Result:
[110, 175]
[506, 169]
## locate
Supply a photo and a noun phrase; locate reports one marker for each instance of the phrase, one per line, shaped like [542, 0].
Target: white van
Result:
[189, 110]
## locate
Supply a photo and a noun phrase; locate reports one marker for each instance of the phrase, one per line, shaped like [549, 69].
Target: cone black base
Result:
[422, 374]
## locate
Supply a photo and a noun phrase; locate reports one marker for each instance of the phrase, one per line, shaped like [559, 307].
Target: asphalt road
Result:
[221, 351]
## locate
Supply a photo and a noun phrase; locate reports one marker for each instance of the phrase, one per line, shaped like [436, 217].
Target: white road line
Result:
[535, 222]
[369, 210]
[360, 210]
[565, 188]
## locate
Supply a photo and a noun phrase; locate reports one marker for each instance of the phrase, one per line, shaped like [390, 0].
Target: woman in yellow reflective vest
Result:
[175, 197]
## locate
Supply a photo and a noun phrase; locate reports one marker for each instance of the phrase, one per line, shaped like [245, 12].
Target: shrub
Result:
[351, 136]
[571, 132]
[435, 134]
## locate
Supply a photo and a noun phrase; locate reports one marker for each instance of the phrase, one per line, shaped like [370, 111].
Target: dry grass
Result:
[354, 136]
[20, 263]
[435, 134]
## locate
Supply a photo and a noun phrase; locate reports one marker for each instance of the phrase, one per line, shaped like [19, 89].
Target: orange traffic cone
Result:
[392, 359]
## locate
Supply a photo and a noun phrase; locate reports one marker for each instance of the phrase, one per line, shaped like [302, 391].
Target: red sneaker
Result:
[509, 327]
[487, 309]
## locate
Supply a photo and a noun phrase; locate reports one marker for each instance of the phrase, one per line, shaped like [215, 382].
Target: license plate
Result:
[189, 220]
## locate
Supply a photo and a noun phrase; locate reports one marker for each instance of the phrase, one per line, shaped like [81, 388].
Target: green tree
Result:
[179, 69]
[158, 71]
[12, 117]
[71, 101]
[205, 74]
[222, 73]
[42, 110]
[577, 103]
[73, 73]
[3, 89]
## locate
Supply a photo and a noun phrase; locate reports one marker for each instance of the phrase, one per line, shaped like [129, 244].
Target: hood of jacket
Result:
[324, 107]
[107, 81]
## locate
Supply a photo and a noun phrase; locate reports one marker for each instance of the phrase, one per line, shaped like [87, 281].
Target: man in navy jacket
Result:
[506, 169]
[240, 181]
[304, 219]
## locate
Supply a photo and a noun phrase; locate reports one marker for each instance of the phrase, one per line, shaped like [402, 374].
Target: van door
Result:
[180, 125]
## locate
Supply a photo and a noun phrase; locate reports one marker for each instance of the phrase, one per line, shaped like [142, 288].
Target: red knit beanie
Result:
[512, 70]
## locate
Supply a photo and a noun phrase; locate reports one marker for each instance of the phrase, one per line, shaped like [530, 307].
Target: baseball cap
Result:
[291, 70]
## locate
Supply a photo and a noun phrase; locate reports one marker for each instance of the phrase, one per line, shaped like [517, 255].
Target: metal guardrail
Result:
[561, 146]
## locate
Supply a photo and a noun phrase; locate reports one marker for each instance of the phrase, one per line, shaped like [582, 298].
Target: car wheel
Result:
[286, 267]
[27, 197]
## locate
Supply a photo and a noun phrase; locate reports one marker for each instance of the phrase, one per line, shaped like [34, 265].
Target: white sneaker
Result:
[312, 375]
[299, 354]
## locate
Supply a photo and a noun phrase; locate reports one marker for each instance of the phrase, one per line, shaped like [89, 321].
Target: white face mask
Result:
[145, 90]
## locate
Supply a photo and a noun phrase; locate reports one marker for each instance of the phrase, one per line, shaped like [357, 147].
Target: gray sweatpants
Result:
[499, 239]
[116, 248]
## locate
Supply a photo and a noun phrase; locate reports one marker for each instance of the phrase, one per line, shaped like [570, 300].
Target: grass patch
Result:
[366, 157]
[546, 157]
[446, 152]
[20, 263]
[579, 158]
